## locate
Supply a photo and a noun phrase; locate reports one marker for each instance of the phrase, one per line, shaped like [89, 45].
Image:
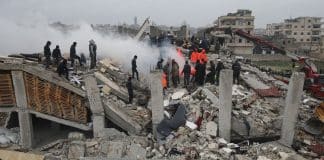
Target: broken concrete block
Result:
[105, 89]
[103, 70]
[114, 149]
[191, 125]
[136, 152]
[76, 150]
[76, 136]
[211, 128]
[241, 157]
[221, 141]
[226, 152]
[178, 95]
[283, 155]
[263, 158]
[213, 146]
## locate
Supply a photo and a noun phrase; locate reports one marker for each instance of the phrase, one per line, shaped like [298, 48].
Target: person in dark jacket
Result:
[236, 67]
[129, 87]
[219, 67]
[159, 64]
[210, 77]
[198, 73]
[93, 53]
[175, 73]
[134, 68]
[203, 73]
[186, 71]
[62, 69]
[47, 54]
[73, 54]
[57, 55]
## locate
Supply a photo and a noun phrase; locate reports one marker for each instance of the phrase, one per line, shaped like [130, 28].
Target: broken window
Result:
[240, 40]
[302, 33]
[302, 26]
[295, 26]
[295, 33]
[249, 23]
[308, 33]
[301, 40]
[307, 40]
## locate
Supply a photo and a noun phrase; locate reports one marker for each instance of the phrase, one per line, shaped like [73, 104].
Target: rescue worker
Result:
[194, 56]
[203, 72]
[210, 77]
[134, 68]
[203, 55]
[57, 55]
[129, 87]
[236, 67]
[47, 54]
[198, 68]
[164, 82]
[93, 54]
[83, 59]
[62, 69]
[166, 72]
[175, 73]
[219, 67]
[159, 65]
[73, 54]
[186, 71]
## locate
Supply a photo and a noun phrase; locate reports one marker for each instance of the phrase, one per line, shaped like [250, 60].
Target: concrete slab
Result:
[115, 89]
[120, 118]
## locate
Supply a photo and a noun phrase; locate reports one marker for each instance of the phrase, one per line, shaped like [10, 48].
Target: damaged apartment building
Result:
[302, 35]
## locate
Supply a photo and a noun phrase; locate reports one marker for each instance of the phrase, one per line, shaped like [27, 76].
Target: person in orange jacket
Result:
[194, 56]
[203, 55]
[164, 82]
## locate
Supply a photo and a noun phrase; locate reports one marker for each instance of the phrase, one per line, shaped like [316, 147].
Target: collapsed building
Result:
[263, 118]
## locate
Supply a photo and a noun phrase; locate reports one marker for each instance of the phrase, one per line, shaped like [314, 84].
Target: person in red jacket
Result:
[203, 55]
[194, 56]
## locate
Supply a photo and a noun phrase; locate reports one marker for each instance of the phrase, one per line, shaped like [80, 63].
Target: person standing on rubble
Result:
[134, 68]
[198, 68]
[62, 69]
[129, 87]
[210, 77]
[166, 72]
[186, 71]
[93, 53]
[159, 64]
[175, 73]
[73, 54]
[203, 72]
[236, 67]
[57, 55]
[219, 67]
[47, 54]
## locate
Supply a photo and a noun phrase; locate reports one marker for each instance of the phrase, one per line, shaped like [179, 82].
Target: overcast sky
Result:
[170, 12]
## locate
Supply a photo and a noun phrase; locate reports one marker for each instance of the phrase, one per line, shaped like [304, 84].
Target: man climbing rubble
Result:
[186, 71]
[134, 68]
[236, 67]
[73, 54]
[47, 54]
[62, 69]
[93, 53]
[57, 55]
[175, 73]
[129, 87]
[159, 64]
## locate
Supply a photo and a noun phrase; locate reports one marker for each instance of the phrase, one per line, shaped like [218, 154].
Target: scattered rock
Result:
[211, 128]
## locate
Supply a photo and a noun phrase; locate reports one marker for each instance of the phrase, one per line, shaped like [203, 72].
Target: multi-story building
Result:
[303, 32]
[242, 19]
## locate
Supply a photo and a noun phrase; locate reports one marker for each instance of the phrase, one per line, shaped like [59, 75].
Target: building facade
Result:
[242, 19]
[300, 35]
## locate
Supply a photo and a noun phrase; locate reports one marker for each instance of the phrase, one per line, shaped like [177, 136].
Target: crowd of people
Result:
[55, 58]
[195, 70]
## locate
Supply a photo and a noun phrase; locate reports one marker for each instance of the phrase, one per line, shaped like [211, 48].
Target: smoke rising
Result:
[30, 37]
